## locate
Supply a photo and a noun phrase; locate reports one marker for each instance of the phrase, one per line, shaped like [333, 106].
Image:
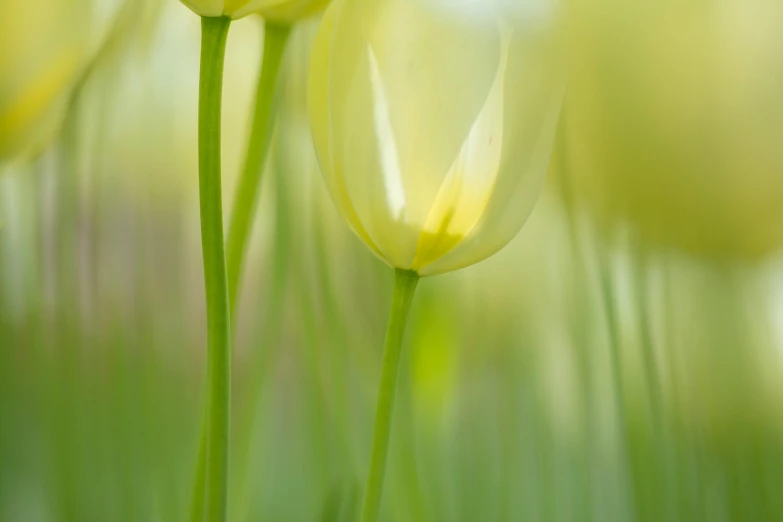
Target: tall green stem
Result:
[243, 211]
[405, 282]
[246, 201]
[213, 49]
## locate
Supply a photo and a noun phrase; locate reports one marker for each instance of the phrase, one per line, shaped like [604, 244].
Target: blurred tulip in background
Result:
[675, 120]
[45, 45]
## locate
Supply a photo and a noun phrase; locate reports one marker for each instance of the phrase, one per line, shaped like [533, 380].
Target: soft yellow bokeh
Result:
[676, 121]
[283, 11]
[433, 123]
[43, 46]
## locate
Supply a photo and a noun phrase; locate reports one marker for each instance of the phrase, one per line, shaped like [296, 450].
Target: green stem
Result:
[405, 282]
[579, 312]
[200, 475]
[608, 300]
[652, 379]
[246, 201]
[213, 49]
[275, 39]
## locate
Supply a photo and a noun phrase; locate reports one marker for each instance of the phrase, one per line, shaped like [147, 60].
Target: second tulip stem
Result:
[405, 282]
[243, 211]
[213, 49]
[246, 201]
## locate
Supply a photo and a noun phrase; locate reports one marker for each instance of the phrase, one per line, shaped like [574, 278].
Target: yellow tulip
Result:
[676, 121]
[42, 50]
[433, 122]
[283, 11]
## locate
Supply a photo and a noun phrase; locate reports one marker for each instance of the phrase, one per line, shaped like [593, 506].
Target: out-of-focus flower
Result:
[675, 121]
[43, 46]
[46, 49]
[285, 11]
[433, 122]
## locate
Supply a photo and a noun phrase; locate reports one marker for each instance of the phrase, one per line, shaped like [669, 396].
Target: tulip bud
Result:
[433, 121]
[284, 11]
[675, 122]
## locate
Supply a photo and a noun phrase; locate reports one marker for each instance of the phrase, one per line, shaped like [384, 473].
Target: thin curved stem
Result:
[213, 48]
[243, 211]
[246, 200]
[405, 282]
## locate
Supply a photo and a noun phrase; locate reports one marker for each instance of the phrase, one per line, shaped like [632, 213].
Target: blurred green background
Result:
[619, 361]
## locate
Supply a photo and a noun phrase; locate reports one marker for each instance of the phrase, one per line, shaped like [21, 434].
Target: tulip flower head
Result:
[433, 121]
[287, 11]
